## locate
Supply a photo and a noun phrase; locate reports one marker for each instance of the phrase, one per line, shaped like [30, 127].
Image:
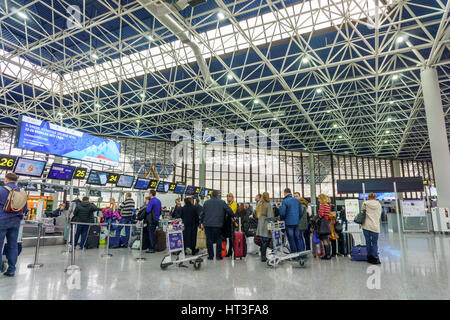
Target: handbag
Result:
[201, 239]
[324, 228]
[316, 239]
[360, 217]
[338, 227]
[303, 225]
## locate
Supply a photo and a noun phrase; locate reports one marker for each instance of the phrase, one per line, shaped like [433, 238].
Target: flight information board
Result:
[29, 167]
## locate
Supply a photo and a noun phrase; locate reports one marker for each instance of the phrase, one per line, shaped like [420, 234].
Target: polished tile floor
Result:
[417, 267]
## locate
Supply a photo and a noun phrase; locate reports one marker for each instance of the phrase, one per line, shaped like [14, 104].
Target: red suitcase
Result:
[239, 243]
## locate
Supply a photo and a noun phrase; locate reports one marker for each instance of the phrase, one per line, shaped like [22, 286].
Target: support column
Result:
[437, 132]
[202, 167]
[312, 178]
[397, 173]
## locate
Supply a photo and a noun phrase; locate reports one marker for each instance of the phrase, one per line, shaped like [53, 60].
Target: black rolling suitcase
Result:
[345, 243]
[93, 238]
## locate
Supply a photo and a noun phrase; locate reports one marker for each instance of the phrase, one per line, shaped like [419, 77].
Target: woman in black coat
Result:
[191, 221]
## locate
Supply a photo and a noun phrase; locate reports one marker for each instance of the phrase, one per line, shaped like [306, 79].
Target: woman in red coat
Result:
[324, 212]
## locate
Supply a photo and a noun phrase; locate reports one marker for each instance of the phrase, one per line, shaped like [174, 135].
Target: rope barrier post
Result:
[36, 253]
[72, 267]
[107, 254]
[141, 258]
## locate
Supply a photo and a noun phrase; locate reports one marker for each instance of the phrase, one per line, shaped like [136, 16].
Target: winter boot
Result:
[327, 255]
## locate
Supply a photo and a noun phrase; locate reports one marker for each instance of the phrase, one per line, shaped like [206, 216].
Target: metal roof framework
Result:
[334, 76]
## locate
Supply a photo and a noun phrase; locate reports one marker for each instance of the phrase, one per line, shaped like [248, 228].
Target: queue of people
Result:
[219, 218]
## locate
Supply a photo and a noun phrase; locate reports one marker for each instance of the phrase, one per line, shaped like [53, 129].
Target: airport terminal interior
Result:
[175, 104]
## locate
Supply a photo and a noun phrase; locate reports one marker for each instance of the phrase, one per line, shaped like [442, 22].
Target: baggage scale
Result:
[175, 245]
[278, 254]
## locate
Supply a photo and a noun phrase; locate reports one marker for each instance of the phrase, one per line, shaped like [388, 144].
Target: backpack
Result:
[16, 201]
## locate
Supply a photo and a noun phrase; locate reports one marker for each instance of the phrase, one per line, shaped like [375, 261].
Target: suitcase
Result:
[160, 240]
[239, 243]
[224, 249]
[317, 250]
[93, 238]
[359, 253]
[345, 243]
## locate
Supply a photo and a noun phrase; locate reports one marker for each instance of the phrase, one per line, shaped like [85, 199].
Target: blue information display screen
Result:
[192, 190]
[142, 184]
[179, 189]
[163, 186]
[28, 167]
[61, 172]
[125, 181]
[380, 196]
[97, 177]
[42, 136]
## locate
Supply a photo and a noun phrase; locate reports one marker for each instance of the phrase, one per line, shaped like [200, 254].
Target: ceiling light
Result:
[60, 114]
[98, 105]
[256, 101]
[400, 39]
[22, 15]
[389, 119]
[221, 15]
[340, 137]
[319, 90]
[229, 76]
[335, 125]
[142, 95]
[94, 56]
[138, 121]
[136, 130]
[150, 37]
[385, 141]
[395, 77]
[305, 60]
[391, 102]
[387, 131]
[328, 111]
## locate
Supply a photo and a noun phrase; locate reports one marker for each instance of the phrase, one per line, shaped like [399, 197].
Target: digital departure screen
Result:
[47, 188]
[32, 186]
[163, 186]
[28, 167]
[61, 172]
[97, 177]
[180, 188]
[142, 184]
[125, 181]
[192, 190]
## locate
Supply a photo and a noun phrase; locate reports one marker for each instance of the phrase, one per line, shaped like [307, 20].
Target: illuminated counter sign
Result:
[41, 136]
[153, 184]
[7, 162]
[113, 178]
[80, 173]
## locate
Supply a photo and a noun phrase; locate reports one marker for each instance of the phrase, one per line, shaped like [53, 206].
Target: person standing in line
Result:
[212, 219]
[176, 212]
[291, 212]
[306, 233]
[264, 210]
[227, 229]
[371, 227]
[257, 198]
[10, 223]
[152, 217]
[324, 213]
[191, 221]
[198, 207]
[126, 209]
[84, 213]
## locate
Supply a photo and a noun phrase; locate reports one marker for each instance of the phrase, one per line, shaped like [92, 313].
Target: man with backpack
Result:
[13, 205]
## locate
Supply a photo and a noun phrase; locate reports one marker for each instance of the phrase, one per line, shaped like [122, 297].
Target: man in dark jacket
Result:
[84, 212]
[212, 219]
[291, 212]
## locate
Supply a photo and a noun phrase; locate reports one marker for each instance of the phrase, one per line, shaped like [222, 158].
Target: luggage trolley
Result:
[174, 244]
[278, 255]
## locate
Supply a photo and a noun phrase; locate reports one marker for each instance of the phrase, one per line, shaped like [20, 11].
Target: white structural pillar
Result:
[312, 178]
[440, 153]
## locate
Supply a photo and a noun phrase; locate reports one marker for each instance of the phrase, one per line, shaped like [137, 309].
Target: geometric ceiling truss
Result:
[329, 79]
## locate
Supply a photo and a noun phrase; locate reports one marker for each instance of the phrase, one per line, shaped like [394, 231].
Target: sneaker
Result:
[7, 274]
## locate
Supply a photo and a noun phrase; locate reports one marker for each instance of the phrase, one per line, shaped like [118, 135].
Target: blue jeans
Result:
[124, 240]
[82, 230]
[371, 243]
[295, 239]
[152, 236]
[214, 235]
[9, 228]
